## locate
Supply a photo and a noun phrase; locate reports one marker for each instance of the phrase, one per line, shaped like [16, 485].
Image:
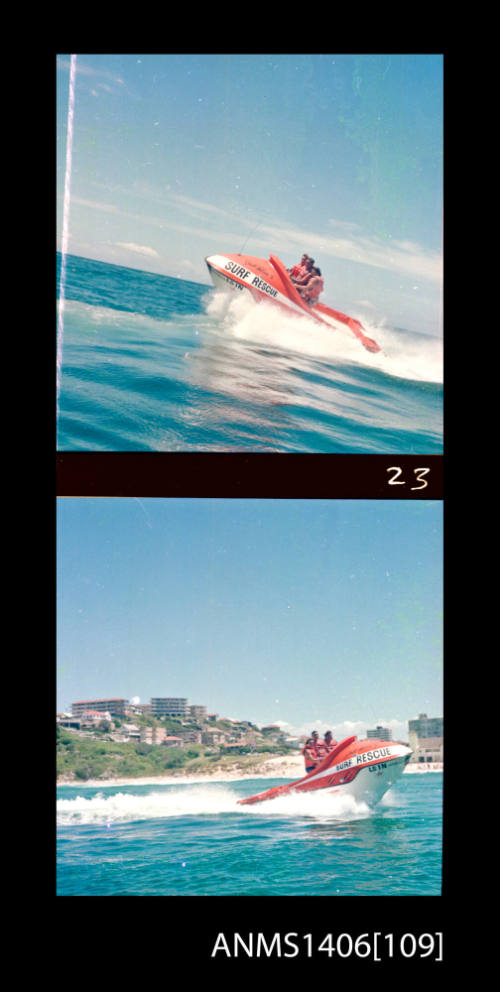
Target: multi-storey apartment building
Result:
[153, 735]
[198, 712]
[381, 733]
[426, 726]
[190, 736]
[213, 737]
[430, 749]
[167, 706]
[426, 738]
[116, 707]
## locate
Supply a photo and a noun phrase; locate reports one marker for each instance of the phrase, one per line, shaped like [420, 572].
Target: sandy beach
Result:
[280, 767]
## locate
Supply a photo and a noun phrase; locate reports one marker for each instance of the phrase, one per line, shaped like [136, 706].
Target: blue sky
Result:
[322, 613]
[175, 157]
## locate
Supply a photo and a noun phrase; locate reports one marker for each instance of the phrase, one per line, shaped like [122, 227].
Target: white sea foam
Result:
[122, 807]
[403, 355]
[321, 805]
[201, 800]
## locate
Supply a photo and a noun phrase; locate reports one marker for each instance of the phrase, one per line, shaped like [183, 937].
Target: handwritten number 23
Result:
[419, 473]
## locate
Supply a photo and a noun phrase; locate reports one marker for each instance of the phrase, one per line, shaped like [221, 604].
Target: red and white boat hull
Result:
[363, 769]
[256, 275]
[269, 280]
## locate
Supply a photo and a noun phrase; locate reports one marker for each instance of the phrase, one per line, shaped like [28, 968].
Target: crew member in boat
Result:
[314, 287]
[310, 757]
[319, 747]
[302, 269]
[311, 285]
[328, 741]
[316, 750]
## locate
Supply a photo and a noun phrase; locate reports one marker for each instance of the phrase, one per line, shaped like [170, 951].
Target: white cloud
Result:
[405, 258]
[347, 728]
[139, 249]
[187, 201]
[108, 208]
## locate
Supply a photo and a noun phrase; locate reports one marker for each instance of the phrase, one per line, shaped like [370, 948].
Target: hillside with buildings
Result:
[105, 739]
[113, 738]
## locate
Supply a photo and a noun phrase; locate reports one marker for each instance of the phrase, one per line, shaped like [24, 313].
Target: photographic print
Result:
[249, 697]
[249, 547]
[249, 253]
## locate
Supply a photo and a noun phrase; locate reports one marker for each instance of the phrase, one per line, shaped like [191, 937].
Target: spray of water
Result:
[65, 230]
[403, 355]
[202, 800]
[123, 807]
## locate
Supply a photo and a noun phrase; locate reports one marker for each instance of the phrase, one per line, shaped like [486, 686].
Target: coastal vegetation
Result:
[81, 756]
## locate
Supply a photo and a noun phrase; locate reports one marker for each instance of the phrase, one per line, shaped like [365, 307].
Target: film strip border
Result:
[214, 474]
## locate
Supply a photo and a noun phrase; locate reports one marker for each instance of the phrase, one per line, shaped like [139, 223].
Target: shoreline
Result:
[279, 767]
[292, 768]
[424, 766]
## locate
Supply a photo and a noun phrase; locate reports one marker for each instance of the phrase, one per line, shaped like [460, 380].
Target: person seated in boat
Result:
[302, 273]
[309, 753]
[311, 287]
[329, 742]
[320, 748]
[302, 269]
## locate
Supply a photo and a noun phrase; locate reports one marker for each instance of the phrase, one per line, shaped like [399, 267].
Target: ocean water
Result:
[194, 840]
[152, 363]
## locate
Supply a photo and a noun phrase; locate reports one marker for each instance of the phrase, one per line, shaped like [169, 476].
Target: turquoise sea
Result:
[152, 363]
[194, 840]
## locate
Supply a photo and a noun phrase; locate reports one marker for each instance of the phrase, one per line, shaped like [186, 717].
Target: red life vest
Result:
[310, 755]
[321, 750]
[298, 271]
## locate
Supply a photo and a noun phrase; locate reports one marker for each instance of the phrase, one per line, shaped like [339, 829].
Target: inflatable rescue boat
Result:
[365, 769]
[270, 281]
